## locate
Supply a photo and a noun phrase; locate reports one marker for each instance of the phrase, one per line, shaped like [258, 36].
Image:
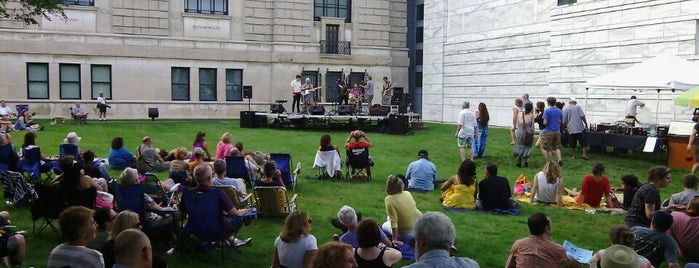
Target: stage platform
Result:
[398, 123]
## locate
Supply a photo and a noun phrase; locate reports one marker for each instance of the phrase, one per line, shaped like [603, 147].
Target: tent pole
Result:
[587, 93]
[657, 106]
[673, 105]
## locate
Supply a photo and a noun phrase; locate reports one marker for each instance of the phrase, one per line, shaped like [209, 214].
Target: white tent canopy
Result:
[664, 72]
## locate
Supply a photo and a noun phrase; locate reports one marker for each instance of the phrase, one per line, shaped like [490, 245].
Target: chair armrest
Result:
[247, 199]
[293, 199]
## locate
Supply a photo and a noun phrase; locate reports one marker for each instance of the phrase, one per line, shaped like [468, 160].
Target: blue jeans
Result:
[479, 143]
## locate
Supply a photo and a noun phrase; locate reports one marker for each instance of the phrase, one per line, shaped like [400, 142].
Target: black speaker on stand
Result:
[247, 94]
[398, 124]
[153, 113]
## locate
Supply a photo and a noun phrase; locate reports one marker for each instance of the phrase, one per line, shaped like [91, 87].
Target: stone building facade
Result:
[192, 58]
[493, 51]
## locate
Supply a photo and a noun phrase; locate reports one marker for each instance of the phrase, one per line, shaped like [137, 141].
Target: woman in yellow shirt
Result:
[461, 189]
[401, 210]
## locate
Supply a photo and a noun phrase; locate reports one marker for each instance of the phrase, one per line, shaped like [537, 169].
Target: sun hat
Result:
[619, 256]
[198, 151]
[72, 137]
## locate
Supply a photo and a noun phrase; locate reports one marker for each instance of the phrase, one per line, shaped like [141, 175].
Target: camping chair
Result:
[357, 162]
[131, 198]
[16, 189]
[80, 120]
[328, 164]
[30, 165]
[66, 149]
[284, 163]
[154, 188]
[274, 200]
[233, 195]
[46, 208]
[204, 226]
[236, 169]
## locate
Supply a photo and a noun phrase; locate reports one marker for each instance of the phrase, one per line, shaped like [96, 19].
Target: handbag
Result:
[528, 135]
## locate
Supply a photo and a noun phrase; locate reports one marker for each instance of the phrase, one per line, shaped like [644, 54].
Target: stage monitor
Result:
[344, 109]
[277, 108]
[317, 110]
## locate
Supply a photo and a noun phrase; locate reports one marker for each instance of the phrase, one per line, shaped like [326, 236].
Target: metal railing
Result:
[335, 47]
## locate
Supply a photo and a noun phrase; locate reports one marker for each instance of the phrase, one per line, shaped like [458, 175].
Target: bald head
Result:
[132, 248]
[202, 174]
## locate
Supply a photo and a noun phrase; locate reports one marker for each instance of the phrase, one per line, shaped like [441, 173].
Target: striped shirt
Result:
[75, 256]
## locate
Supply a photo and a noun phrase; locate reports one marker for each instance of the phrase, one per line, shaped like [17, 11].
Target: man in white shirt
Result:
[296, 90]
[4, 109]
[466, 131]
[79, 113]
[631, 108]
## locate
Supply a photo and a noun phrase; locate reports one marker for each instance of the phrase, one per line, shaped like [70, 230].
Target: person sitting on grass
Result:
[200, 142]
[536, 250]
[659, 225]
[271, 176]
[494, 191]
[12, 244]
[148, 159]
[348, 218]
[647, 199]
[421, 173]
[685, 230]
[460, 190]
[119, 157]
[198, 154]
[368, 253]
[335, 255]
[620, 235]
[93, 170]
[548, 185]
[630, 185]
[24, 122]
[401, 210]
[295, 246]
[178, 166]
[78, 228]
[224, 146]
[690, 191]
[73, 178]
[594, 187]
[129, 177]
[46, 164]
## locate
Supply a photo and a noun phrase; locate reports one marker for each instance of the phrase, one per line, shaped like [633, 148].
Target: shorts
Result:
[465, 142]
[308, 98]
[552, 141]
[573, 139]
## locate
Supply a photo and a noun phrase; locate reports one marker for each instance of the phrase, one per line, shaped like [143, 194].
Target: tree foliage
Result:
[28, 11]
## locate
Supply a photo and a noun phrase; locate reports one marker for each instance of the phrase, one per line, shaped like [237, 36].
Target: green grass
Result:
[481, 236]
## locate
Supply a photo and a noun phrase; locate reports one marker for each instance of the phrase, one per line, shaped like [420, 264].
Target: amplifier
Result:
[662, 131]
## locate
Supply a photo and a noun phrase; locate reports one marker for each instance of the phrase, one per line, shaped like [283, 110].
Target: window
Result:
[332, 80]
[333, 8]
[79, 2]
[207, 84]
[70, 81]
[218, 7]
[101, 81]
[420, 12]
[180, 83]
[418, 35]
[234, 85]
[566, 2]
[418, 79]
[37, 80]
[418, 57]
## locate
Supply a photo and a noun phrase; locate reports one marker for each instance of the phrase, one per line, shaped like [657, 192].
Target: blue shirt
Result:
[553, 117]
[421, 175]
[119, 158]
[440, 258]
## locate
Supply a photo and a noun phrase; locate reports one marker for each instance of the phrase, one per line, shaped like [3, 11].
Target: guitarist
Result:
[368, 90]
[387, 92]
[344, 92]
[308, 93]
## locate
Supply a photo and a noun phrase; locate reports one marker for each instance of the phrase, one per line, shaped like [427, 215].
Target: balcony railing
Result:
[335, 47]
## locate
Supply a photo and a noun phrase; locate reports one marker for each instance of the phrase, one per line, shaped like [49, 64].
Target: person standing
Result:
[519, 107]
[421, 174]
[525, 99]
[574, 119]
[631, 108]
[466, 131]
[386, 92]
[308, 94]
[296, 91]
[553, 118]
[692, 139]
[482, 119]
[102, 106]
[369, 90]
[434, 236]
[525, 135]
[537, 250]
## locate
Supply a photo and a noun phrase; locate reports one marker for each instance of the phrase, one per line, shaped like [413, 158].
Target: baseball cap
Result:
[422, 153]
[198, 151]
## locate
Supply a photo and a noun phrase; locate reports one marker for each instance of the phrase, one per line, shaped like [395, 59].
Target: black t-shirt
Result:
[92, 170]
[647, 194]
[494, 192]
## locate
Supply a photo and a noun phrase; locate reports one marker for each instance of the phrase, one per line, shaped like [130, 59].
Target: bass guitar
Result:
[385, 91]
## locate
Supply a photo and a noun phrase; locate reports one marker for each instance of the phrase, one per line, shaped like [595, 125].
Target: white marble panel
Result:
[649, 31]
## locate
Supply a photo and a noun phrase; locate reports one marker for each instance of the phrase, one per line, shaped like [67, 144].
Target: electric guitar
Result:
[306, 91]
[385, 91]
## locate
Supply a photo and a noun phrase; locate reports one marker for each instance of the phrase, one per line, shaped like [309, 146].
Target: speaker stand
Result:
[249, 105]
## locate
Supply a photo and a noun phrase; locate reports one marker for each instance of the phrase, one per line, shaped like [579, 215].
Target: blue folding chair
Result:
[30, 165]
[236, 168]
[131, 198]
[284, 163]
[66, 149]
[205, 228]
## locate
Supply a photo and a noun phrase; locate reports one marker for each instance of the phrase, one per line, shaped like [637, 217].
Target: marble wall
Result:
[493, 51]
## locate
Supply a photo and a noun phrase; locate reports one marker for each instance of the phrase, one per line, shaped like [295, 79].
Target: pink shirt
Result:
[534, 251]
[685, 230]
[223, 150]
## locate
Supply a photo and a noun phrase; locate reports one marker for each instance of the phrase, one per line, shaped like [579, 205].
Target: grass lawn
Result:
[484, 237]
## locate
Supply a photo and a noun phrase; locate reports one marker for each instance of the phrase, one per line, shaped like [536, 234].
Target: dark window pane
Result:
[37, 80]
[418, 57]
[420, 12]
[418, 35]
[207, 84]
[234, 85]
[418, 79]
[180, 83]
[70, 81]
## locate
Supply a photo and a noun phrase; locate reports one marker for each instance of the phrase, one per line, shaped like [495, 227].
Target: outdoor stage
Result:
[397, 123]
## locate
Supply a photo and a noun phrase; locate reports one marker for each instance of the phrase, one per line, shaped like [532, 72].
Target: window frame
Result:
[328, 7]
[85, 3]
[212, 4]
[231, 93]
[202, 85]
[45, 82]
[63, 83]
[173, 84]
[566, 2]
[95, 93]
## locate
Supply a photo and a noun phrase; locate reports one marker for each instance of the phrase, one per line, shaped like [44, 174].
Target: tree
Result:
[28, 10]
